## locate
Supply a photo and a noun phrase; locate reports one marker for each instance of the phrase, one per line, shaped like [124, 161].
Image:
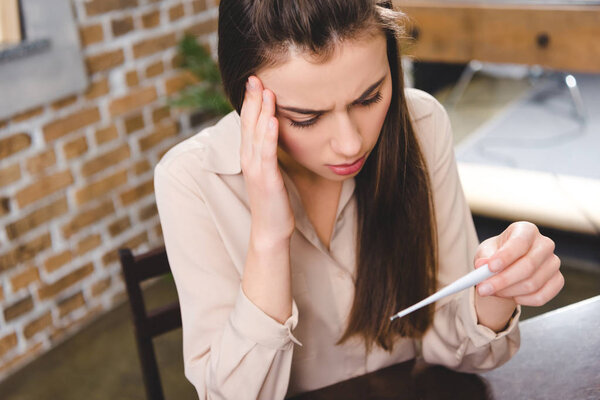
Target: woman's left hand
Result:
[528, 268]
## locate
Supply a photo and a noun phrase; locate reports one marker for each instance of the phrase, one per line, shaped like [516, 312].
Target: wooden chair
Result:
[148, 324]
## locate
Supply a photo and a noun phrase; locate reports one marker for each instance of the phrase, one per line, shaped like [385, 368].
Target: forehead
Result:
[351, 68]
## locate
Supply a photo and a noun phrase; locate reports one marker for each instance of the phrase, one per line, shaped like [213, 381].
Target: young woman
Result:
[326, 202]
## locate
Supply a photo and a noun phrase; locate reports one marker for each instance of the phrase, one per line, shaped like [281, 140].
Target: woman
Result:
[328, 201]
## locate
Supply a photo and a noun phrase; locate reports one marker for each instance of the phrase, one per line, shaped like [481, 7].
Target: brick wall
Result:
[76, 175]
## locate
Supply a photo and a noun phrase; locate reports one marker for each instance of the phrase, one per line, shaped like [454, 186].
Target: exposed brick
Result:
[100, 287]
[151, 19]
[21, 358]
[37, 218]
[133, 101]
[178, 82]
[119, 226]
[4, 205]
[106, 160]
[176, 12]
[43, 187]
[161, 113]
[88, 243]
[27, 114]
[71, 123]
[141, 167]
[38, 325]
[62, 103]
[91, 34]
[70, 304]
[134, 123]
[113, 255]
[41, 161]
[24, 252]
[122, 26]
[10, 174]
[88, 217]
[154, 45]
[105, 61]
[101, 187]
[132, 79]
[7, 343]
[177, 61]
[162, 132]
[96, 7]
[24, 278]
[199, 6]
[75, 147]
[56, 261]
[155, 69]
[19, 308]
[13, 144]
[137, 193]
[97, 88]
[148, 212]
[59, 333]
[202, 28]
[106, 134]
[51, 290]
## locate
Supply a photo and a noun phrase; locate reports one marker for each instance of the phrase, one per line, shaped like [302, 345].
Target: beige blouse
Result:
[232, 349]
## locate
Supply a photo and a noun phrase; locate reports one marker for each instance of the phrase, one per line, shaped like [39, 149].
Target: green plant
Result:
[208, 94]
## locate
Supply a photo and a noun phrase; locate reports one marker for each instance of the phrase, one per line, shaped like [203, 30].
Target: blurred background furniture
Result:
[153, 323]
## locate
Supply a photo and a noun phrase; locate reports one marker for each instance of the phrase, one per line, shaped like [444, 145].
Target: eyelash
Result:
[365, 103]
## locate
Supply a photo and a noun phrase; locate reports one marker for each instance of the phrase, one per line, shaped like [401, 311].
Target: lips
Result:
[347, 169]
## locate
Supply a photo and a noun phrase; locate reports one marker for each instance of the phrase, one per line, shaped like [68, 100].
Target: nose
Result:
[346, 140]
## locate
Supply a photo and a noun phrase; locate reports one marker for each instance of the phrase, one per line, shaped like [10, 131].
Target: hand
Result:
[529, 270]
[272, 217]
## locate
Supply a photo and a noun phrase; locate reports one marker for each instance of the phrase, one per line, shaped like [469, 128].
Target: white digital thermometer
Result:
[470, 279]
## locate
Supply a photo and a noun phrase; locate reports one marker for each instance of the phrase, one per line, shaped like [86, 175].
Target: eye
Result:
[365, 103]
[375, 99]
[303, 124]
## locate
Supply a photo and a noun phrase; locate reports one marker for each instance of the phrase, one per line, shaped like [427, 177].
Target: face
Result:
[330, 114]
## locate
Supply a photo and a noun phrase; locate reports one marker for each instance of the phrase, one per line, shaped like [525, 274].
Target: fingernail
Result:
[250, 84]
[485, 289]
[271, 124]
[495, 265]
[265, 97]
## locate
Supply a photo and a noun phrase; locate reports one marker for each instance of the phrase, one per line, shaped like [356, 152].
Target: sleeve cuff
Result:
[254, 324]
[479, 334]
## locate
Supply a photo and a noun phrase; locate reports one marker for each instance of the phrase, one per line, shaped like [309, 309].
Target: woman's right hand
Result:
[272, 217]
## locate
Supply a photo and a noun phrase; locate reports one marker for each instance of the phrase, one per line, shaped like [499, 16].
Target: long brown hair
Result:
[396, 246]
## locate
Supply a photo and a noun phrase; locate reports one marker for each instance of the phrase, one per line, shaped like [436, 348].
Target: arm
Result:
[232, 348]
[456, 338]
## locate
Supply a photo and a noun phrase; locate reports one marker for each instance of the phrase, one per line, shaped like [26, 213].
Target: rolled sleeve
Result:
[254, 324]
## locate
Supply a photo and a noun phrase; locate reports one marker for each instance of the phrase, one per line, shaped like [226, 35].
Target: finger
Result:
[530, 285]
[521, 270]
[250, 111]
[485, 250]
[269, 147]
[521, 236]
[267, 112]
[545, 294]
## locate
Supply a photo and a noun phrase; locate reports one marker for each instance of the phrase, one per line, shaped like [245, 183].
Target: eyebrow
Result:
[305, 111]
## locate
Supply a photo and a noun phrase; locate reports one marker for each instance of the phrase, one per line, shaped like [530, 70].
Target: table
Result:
[559, 358]
[560, 35]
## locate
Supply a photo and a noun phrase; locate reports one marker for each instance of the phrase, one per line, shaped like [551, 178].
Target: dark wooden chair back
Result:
[148, 324]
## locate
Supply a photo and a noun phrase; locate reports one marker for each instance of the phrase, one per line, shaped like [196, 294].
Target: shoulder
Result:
[430, 122]
[421, 105]
[215, 149]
